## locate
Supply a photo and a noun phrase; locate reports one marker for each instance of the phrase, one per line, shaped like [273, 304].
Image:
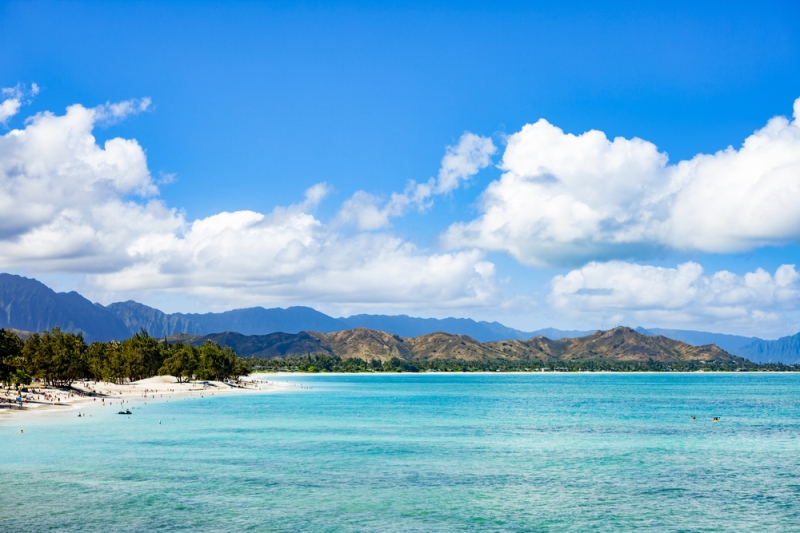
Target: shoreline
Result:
[102, 394]
[518, 372]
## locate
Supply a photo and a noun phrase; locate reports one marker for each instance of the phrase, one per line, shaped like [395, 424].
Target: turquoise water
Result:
[552, 452]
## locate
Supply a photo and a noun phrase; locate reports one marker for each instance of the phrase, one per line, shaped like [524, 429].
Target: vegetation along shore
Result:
[58, 359]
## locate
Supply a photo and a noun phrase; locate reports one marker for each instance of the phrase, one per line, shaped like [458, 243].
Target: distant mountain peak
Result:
[29, 305]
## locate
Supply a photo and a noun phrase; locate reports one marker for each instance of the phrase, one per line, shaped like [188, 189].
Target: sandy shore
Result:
[85, 395]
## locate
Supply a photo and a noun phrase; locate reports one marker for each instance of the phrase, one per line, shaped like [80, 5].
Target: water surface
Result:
[432, 452]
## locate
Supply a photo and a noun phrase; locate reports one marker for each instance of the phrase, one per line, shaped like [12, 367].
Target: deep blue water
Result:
[433, 452]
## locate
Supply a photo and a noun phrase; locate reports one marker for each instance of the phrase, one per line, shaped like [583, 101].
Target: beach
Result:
[84, 396]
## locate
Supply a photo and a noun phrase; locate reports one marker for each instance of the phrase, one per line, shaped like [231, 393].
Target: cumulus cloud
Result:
[569, 198]
[66, 202]
[618, 292]
[460, 162]
[70, 205]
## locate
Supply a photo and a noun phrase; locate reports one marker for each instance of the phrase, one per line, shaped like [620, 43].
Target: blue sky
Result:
[253, 104]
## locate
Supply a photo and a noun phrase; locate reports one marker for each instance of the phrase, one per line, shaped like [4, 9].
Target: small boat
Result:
[715, 419]
[125, 412]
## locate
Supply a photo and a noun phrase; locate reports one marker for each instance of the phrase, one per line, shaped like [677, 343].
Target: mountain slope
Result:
[784, 350]
[267, 346]
[731, 343]
[365, 344]
[626, 344]
[138, 316]
[445, 346]
[407, 326]
[29, 305]
[557, 334]
[260, 321]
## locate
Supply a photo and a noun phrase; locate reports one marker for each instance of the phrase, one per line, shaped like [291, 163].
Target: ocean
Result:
[421, 453]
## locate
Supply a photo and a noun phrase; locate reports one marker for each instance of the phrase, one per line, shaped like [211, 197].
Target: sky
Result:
[563, 164]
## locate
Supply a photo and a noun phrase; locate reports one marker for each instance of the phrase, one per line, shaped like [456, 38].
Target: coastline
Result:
[55, 401]
[519, 372]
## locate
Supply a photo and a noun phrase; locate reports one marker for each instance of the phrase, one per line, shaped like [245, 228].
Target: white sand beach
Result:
[85, 395]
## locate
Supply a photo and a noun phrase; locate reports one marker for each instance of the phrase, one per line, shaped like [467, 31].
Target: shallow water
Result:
[433, 452]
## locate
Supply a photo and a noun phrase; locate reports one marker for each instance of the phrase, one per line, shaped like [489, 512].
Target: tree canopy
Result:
[58, 358]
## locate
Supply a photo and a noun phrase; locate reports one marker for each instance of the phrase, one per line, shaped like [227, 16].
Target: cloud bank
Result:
[68, 204]
[566, 199]
[618, 292]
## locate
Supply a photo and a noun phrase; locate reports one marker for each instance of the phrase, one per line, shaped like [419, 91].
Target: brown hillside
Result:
[363, 343]
[625, 344]
[618, 344]
[446, 346]
[535, 348]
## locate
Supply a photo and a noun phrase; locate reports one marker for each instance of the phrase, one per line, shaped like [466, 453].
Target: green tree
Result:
[211, 361]
[182, 362]
[20, 379]
[56, 357]
[116, 364]
[143, 356]
[241, 368]
[10, 355]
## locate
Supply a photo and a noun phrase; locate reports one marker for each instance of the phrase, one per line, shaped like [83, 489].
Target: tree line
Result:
[58, 358]
[332, 363]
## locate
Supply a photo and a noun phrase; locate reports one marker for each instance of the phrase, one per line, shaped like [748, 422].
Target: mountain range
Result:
[619, 344]
[29, 305]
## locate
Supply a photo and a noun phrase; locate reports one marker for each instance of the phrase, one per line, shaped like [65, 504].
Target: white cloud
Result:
[565, 198]
[13, 98]
[618, 292]
[289, 256]
[65, 201]
[247, 258]
[12, 101]
[111, 113]
[70, 205]
[460, 162]
[8, 108]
